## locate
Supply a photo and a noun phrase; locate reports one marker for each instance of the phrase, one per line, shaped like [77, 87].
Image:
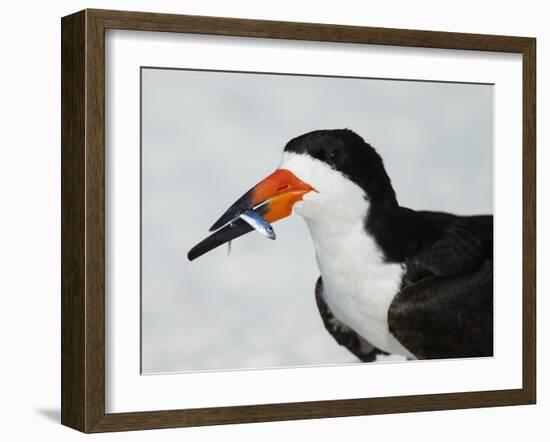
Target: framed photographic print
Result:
[271, 220]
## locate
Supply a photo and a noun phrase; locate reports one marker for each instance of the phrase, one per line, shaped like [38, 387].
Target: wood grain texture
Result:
[83, 220]
[95, 221]
[529, 221]
[145, 21]
[73, 127]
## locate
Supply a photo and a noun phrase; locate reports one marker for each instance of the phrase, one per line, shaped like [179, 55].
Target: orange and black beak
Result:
[272, 198]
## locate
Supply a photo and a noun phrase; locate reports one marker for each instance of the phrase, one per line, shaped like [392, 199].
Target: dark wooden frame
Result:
[83, 216]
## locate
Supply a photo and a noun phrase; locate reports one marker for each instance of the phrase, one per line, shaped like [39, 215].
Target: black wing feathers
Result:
[445, 306]
[449, 317]
[461, 248]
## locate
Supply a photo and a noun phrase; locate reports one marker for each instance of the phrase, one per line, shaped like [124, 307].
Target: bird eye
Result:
[334, 156]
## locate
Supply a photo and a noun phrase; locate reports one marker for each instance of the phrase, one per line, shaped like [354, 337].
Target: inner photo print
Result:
[294, 220]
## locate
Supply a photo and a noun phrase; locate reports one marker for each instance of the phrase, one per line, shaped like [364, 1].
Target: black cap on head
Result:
[346, 152]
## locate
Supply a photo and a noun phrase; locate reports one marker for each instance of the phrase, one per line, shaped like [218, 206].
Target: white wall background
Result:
[30, 233]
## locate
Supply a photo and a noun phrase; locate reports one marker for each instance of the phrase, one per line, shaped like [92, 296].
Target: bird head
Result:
[323, 175]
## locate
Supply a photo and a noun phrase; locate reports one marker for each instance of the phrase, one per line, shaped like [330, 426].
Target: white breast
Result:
[358, 284]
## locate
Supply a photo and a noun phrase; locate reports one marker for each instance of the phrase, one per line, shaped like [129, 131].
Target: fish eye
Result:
[334, 156]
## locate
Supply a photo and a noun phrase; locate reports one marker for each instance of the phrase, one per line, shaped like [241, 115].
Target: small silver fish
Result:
[261, 225]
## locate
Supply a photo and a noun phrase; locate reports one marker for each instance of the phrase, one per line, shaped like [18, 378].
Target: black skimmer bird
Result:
[393, 280]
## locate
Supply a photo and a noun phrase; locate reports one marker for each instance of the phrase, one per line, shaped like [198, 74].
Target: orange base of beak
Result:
[279, 191]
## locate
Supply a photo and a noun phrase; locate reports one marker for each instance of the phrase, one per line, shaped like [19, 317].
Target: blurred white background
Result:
[209, 136]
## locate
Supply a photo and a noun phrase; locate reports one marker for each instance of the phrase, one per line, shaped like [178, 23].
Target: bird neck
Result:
[398, 231]
[387, 233]
[338, 237]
